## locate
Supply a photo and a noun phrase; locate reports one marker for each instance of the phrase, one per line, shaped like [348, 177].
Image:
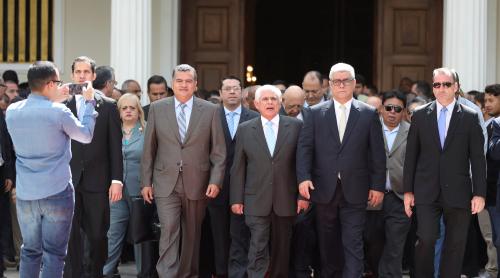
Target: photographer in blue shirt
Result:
[41, 129]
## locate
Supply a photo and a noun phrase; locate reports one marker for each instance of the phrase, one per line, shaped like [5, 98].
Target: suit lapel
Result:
[331, 121]
[351, 121]
[283, 131]
[225, 127]
[72, 106]
[171, 118]
[260, 137]
[454, 121]
[433, 126]
[194, 119]
[399, 138]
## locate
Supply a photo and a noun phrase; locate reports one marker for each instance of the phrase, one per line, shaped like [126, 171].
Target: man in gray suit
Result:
[182, 165]
[397, 224]
[264, 183]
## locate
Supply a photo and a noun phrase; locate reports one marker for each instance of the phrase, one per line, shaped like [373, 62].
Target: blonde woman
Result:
[133, 126]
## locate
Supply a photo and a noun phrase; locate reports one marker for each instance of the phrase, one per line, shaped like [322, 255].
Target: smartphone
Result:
[77, 89]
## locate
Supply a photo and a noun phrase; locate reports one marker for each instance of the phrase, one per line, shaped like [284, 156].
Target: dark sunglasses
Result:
[391, 107]
[438, 85]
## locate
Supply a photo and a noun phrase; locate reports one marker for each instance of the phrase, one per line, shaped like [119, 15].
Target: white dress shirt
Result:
[338, 111]
[236, 117]
[449, 111]
[275, 121]
[187, 110]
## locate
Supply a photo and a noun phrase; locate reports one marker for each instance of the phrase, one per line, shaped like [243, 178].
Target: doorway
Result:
[285, 39]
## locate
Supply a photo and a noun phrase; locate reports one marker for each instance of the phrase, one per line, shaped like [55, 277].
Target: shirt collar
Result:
[347, 104]
[189, 103]
[37, 96]
[275, 120]
[449, 106]
[237, 111]
[396, 129]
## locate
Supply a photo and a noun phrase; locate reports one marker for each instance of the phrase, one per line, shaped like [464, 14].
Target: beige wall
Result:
[497, 57]
[87, 29]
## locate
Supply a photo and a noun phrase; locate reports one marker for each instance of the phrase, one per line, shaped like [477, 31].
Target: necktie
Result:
[442, 125]
[270, 137]
[230, 123]
[342, 121]
[181, 121]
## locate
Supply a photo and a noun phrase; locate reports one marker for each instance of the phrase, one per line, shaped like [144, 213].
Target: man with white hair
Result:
[340, 167]
[264, 184]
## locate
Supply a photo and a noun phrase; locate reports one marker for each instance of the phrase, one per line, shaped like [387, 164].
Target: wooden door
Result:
[408, 41]
[212, 39]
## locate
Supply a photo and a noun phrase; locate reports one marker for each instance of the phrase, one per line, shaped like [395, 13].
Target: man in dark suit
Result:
[230, 255]
[264, 184]
[7, 174]
[97, 173]
[182, 166]
[396, 224]
[445, 144]
[157, 89]
[341, 166]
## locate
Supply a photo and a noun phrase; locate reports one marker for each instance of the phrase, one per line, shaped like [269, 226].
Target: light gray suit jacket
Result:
[202, 155]
[396, 158]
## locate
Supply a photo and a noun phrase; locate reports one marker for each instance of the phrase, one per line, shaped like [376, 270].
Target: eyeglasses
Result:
[229, 89]
[438, 85]
[57, 82]
[394, 108]
[345, 82]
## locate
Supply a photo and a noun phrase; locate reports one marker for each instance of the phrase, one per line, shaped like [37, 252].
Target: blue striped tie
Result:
[181, 121]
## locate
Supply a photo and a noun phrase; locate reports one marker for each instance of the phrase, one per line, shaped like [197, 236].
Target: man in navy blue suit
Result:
[341, 167]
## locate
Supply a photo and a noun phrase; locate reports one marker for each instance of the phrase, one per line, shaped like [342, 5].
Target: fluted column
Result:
[469, 41]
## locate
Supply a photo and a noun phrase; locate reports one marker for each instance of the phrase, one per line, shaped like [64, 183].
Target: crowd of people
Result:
[327, 178]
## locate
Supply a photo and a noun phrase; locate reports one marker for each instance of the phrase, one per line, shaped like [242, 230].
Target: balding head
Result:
[312, 87]
[293, 100]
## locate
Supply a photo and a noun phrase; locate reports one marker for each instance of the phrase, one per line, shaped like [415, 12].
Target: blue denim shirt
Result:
[41, 131]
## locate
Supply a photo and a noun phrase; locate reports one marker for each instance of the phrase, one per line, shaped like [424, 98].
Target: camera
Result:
[77, 89]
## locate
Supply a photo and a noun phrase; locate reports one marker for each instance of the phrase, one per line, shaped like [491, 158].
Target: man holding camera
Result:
[41, 132]
[97, 171]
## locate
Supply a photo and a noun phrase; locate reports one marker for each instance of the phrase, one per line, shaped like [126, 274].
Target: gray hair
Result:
[268, 87]
[342, 67]
[446, 71]
[185, 68]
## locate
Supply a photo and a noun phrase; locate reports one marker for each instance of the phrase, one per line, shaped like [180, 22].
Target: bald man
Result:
[293, 101]
[312, 85]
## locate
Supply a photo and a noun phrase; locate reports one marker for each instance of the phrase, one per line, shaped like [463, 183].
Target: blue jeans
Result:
[45, 226]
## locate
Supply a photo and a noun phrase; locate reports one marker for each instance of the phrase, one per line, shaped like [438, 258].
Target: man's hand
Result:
[88, 94]
[212, 191]
[302, 205]
[115, 192]
[409, 200]
[7, 186]
[477, 204]
[375, 197]
[304, 189]
[13, 195]
[147, 194]
[237, 209]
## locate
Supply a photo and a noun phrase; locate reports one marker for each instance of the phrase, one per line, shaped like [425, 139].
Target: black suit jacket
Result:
[8, 155]
[95, 165]
[360, 158]
[260, 181]
[246, 114]
[431, 171]
[146, 111]
[493, 159]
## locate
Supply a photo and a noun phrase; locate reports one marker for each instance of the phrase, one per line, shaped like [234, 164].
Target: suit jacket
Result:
[431, 171]
[493, 159]
[95, 165]
[8, 168]
[201, 158]
[360, 158]
[260, 181]
[246, 114]
[132, 152]
[396, 158]
[146, 111]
